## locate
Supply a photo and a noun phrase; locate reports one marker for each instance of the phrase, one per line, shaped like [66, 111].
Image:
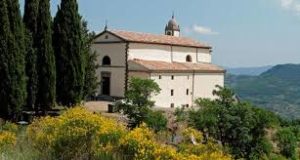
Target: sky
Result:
[243, 33]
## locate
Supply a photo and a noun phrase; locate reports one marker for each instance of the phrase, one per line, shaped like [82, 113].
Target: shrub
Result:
[139, 143]
[193, 144]
[8, 136]
[7, 140]
[76, 134]
[11, 127]
[287, 143]
[156, 120]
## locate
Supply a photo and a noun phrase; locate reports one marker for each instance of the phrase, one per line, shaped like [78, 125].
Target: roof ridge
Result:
[155, 34]
[158, 38]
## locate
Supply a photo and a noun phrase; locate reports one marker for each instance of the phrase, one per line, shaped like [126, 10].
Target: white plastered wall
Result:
[149, 52]
[181, 82]
[116, 52]
[203, 55]
[205, 83]
[180, 53]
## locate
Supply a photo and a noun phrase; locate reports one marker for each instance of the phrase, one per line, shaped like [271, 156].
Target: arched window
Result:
[188, 58]
[106, 61]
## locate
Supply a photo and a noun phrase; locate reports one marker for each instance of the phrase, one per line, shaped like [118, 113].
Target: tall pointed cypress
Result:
[12, 74]
[70, 60]
[30, 22]
[18, 81]
[45, 58]
[5, 39]
[30, 18]
[91, 81]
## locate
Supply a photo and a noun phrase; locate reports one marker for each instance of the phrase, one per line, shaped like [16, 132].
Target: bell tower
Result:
[172, 28]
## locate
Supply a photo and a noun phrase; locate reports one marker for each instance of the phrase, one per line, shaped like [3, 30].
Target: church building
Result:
[180, 66]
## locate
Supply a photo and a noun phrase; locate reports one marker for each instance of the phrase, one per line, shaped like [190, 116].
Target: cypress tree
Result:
[45, 58]
[18, 81]
[31, 16]
[30, 21]
[5, 38]
[12, 69]
[91, 81]
[70, 60]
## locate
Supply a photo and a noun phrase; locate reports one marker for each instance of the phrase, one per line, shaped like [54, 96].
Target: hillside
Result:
[251, 71]
[277, 89]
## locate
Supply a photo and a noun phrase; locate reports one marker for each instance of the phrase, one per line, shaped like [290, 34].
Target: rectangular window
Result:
[187, 91]
[187, 105]
[172, 92]
[172, 105]
[159, 77]
[172, 77]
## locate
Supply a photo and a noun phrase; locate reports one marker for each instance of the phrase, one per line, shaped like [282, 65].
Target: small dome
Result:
[172, 25]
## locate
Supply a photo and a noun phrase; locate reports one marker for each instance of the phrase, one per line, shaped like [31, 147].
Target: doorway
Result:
[106, 84]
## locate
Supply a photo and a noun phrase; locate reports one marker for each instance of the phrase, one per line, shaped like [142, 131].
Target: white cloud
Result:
[291, 5]
[203, 30]
[287, 3]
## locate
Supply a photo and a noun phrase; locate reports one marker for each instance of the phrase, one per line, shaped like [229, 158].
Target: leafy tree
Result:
[12, 69]
[45, 59]
[287, 143]
[137, 100]
[156, 120]
[70, 59]
[30, 22]
[238, 125]
[91, 81]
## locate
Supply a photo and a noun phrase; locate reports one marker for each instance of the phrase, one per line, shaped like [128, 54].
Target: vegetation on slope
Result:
[277, 89]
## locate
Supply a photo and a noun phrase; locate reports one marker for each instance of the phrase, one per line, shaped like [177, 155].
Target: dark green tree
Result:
[5, 58]
[45, 58]
[156, 120]
[30, 18]
[238, 125]
[70, 59]
[13, 78]
[137, 103]
[31, 71]
[30, 22]
[91, 81]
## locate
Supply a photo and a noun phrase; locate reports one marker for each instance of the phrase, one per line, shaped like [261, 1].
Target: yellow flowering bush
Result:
[188, 133]
[8, 136]
[41, 133]
[7, 140]
[10, 127]
[200, 150]
[77, 133]
[139, 143]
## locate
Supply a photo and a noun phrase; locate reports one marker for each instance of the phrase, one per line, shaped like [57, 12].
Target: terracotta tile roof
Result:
[161, 66]
[157, 39]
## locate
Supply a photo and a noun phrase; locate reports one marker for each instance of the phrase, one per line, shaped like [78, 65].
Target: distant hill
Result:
[251, 71]
[277, 89]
